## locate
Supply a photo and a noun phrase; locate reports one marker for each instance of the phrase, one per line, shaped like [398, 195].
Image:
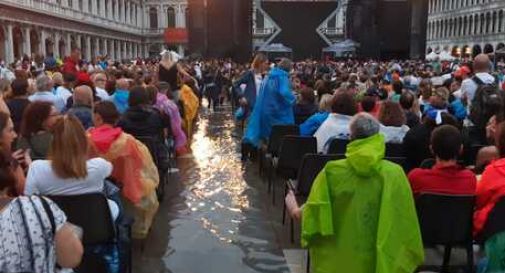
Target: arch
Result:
[488, 48]
[154, 49]
[49, 47]
[153, 18]
[488, 21]
[171, 17]
[17, 39]
[460, 26]
[34, 41]
[475, 24]
[73, 42]
[493, 26]
[476, 50]
[482, 23]
[84, 47]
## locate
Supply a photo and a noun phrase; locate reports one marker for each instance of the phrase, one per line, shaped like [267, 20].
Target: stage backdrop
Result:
[298, 21]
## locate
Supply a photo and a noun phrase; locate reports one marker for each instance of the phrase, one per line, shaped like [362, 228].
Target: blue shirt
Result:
[49, 97]
[120, 99]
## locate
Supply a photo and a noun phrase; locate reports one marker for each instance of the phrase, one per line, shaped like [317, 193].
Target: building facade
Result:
[121, 29]
[465, 27]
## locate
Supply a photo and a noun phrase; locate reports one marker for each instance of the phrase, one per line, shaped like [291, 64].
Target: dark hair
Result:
[7, 178]
[407, 100]
[307, 95]
[152, 93]
[344, 104]
[397, 87]
[391, 114]
[446, 142]
[33, 118]
[368, 103]
[69, 77]
[138, 96]
[108, 111]
[4, 118]
[19, 87]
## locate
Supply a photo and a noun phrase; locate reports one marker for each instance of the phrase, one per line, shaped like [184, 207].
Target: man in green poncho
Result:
[360, 215]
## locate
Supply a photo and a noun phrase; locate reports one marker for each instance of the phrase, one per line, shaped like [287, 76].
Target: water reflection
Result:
[215, 220]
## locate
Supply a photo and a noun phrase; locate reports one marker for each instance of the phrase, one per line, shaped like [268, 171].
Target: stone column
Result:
[94, 7]
[105, 47]
[85, 6]
[97, 46]
[68, 44]
[161, 17]
[127, 9]
[123, 50]
[56, 44]
[116, 10]
[43, 37]
[110, 14]
[146, 50]
[9, 45]
[88, 47]
[26, 41]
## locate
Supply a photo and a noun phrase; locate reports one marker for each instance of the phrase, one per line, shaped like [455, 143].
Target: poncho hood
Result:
[364, 155]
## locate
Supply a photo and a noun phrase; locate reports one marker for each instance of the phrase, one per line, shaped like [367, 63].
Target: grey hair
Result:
[44, 83]
[363, 125]
[285, 64]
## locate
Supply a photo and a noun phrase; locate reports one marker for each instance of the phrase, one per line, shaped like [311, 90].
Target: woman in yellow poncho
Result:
[134, 168]
[190, 105]
[360, 215]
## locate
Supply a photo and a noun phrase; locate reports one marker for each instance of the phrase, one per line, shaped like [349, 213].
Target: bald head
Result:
[83, 95]
[123, 84]
[481, 63]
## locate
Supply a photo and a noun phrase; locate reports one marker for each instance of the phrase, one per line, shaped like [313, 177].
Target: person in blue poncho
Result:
[274, 104]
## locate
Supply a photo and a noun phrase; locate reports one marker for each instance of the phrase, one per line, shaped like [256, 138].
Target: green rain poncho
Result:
[360, 215]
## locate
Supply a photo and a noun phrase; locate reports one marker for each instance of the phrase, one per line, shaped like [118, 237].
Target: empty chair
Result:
[447, 220]
[291, 153]
[338, 146]
[274, 142]
[394, 150]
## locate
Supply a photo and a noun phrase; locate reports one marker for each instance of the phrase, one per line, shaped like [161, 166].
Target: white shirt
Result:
[41, 179]
[258, 78]
[63, 93]
[394, 134]
[469, 87]
[101, 93]
[335, 126]
[48, 96]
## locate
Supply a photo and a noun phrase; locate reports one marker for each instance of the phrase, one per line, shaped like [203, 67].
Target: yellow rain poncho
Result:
[360, 215]
[190, 104]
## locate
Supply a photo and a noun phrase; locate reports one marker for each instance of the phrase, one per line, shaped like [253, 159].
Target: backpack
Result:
[486, 103]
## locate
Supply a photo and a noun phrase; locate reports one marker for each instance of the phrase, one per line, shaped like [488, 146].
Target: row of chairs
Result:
[445, 220]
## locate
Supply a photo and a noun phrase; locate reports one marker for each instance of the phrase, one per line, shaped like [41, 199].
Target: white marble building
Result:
[121, 29]
[465, 27]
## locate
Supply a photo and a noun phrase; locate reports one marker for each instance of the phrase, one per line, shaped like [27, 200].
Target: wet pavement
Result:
[217, 215]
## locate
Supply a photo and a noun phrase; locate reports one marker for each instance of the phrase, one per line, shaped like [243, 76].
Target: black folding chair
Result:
[394, 150]
[271, 149]
[301, 119]
[495, 222]
[90, 212]
[291, 153]
[157, 150]
[447, 220]
[338, 146]
[398, 160]
[310, 167]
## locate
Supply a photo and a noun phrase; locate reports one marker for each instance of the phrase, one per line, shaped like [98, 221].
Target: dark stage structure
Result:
[221, 28]
[298, 21]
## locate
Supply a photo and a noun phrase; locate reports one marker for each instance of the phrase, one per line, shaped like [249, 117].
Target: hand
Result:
[23, 157]
[292, 205]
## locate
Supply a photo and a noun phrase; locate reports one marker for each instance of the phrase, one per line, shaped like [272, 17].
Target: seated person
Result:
[134, 169]
[410, 106]
[351, 220]
[490, 190]
[336, 126]
[446, 177]
[393, 120]
[305, 106]
[310, 126]
[81, 106]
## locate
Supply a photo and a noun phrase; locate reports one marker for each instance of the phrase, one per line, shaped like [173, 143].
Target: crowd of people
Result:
[77, 128]
[445, 120]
